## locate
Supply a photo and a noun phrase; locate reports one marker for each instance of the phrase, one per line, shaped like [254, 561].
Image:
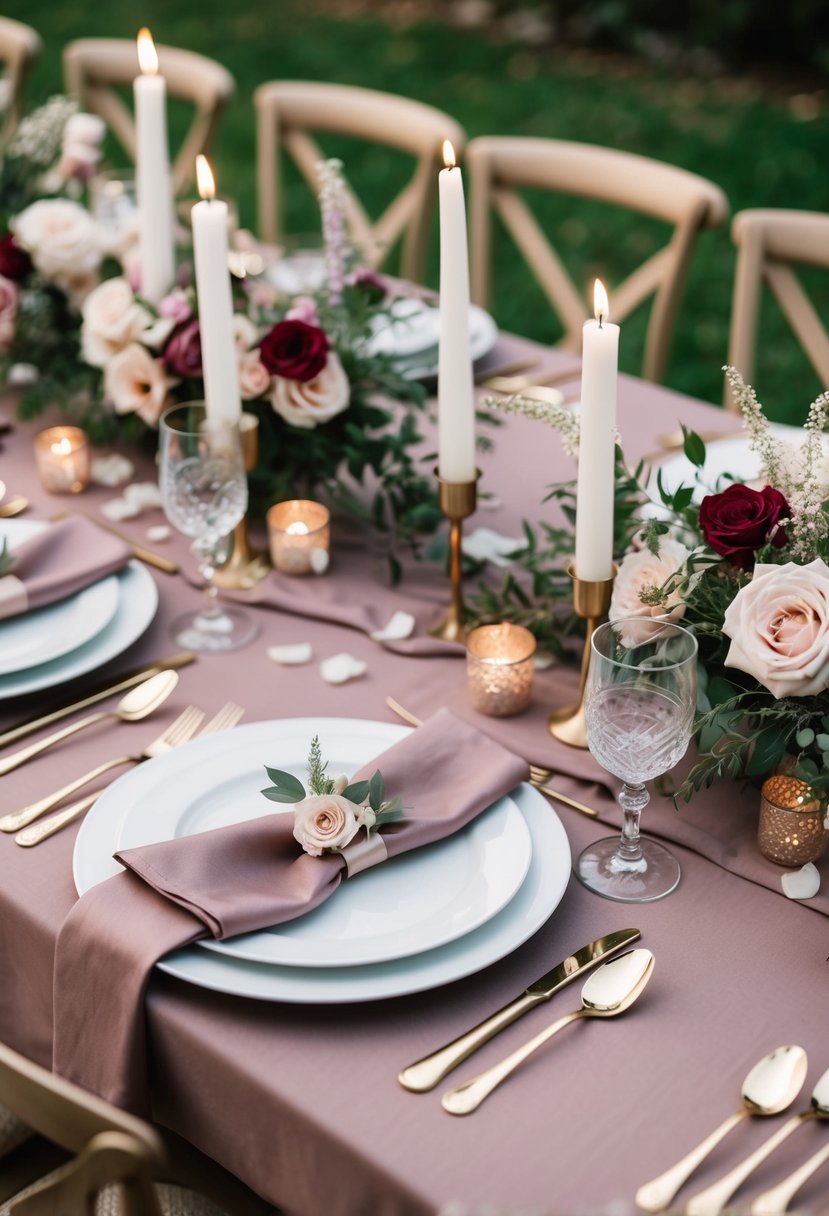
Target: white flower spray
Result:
[332, 207]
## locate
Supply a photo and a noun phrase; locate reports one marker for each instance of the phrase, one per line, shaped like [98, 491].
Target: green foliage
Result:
[6, 558]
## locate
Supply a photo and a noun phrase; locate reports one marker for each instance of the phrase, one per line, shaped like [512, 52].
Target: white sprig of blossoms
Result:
[332, 196]
[558, 416]
[39, 135]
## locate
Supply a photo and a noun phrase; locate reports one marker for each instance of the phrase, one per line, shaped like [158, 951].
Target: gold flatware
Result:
[609, 991]
[714, 1198]
[772, 1085]
[227, 717]
[538, 776]
[503, 382]
[184, 727]
[148, 556]
[134, 706]
[30, 725]
[504, 369]
[424, 1075]
[778, 1198]
[676, 439]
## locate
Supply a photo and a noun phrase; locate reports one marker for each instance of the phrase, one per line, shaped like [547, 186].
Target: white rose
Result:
[136, 383]
[112, 319]
[254, 377]
[309, 402]
[62, 239]
[325, 821]
[84, 128]
[642, 569]
[779, 628]
[245, 333]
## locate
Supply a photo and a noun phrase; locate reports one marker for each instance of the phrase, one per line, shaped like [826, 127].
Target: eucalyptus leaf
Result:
[356, 792]
[693, 447]
[287, 783]
[376, 791]
[805, 738]
[276, 794]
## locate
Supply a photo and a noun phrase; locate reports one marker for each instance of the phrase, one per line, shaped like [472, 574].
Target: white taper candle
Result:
[456, 397]
[152, 175]
[219, 358]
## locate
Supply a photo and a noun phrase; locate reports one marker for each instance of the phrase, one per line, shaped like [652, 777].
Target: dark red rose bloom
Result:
[739, 521]
[294, 350]
[182, 354]
[15, 262]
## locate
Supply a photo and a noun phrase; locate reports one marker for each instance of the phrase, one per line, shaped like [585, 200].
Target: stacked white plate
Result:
[418, 921]
[409, 334]
[76, 635]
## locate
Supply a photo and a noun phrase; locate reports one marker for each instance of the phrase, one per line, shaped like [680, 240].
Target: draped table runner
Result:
[302, 1102]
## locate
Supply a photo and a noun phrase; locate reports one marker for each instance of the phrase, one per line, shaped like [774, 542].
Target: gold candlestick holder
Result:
[246, 566]
[591, 601]
[457, 502]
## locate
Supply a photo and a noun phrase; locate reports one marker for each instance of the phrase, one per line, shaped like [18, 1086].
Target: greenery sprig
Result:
[6, 558]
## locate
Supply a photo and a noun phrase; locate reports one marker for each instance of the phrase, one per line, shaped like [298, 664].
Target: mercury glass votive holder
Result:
[299, 533]
[63, 460]
[791, 830]
[499, 668]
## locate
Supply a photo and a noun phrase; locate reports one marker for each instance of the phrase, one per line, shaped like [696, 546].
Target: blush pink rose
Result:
[643, 569]
[136, 383]
[779, 628]
[325, 821]
[254, 378]
[63, 241]
[112, 319]
[307, 403]
[9, 295]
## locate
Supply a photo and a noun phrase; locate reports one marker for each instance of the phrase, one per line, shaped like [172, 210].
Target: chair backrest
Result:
[111, 1146]
[20, 47]
[287, 111]
[95, 68]
[768, 242]
[499, 167]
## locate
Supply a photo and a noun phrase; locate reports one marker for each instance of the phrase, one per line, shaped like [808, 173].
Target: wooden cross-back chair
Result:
[499, 167]
[288, 111]
[95, 68]
[769, 243]
[20, 47]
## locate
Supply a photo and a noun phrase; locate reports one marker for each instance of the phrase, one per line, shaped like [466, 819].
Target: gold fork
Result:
[225, 719]
[538, 776]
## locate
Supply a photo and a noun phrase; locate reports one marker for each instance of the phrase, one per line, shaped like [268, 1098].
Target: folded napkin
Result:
[234, 880]
[61, 560]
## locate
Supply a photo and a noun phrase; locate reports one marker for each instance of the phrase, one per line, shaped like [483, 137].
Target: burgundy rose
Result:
[182, 353]
[740, 521]
[294, 350]
[15, 262]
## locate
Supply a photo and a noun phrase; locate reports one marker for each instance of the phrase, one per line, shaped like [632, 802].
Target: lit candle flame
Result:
[204, 177]
[449, 155]
[600, 305]
[147, 56]
[298, 528]
[63, 447]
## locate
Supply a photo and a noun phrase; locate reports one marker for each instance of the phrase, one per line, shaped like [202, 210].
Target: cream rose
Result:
[62, 239]
[254, 378]
[245, 333]
[310, 402]
[135, 383]
[642, 569]
[112, 319]
[9, 295]
[779, 628]
[325, 821]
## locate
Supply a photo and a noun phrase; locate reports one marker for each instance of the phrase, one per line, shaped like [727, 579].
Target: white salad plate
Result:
[47, 633]
[410, 337]
[110, 825]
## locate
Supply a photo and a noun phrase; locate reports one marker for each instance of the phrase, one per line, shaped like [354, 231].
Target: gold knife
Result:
[425, 1074]
[147, 556]
[99, 694]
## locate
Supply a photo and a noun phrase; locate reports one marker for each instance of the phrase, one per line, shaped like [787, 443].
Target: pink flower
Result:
[9, 295]
[779, 628]
[307, 403]
[303, 309]
[642, 569]
[176, 306]
[63, 241]
[325, 821]
[135, 383]
[254, 378]
[112, 319]
[182, 353]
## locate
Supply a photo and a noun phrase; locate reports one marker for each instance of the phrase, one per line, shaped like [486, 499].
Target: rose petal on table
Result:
[487, 545]
[112, 470]
[803, 883]
[158, 532]
[542, 660]
[341, 668]
[319, 560]
[291, 656]
[400, 626]
[118, 508]
[143, 495]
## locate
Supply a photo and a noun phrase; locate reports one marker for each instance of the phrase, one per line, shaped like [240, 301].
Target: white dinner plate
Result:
[537, 898]
[412, 340]
[469, 877]
[137, 604]
[47, 633]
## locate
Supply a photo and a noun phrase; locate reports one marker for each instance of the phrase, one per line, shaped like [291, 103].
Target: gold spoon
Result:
[137, 704]
[772, 1085]
[713, 1199]
[610, 990]
[777, 1199]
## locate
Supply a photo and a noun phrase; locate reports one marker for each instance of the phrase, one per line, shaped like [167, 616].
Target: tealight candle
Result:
[499, 668]
[299, 535]
[62, 459]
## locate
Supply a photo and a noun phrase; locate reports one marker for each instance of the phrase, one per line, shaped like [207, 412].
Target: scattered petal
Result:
[143, 495]
[158, 532]
[342, 667]
[118, 508]
[400, 626]
[23, 374]
[291, 656]
[319, 560]
[542, 660]
[803, 883]
[112, 470]
[487, 545]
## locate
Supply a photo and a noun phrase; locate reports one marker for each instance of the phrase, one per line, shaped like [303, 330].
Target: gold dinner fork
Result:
[227, 717]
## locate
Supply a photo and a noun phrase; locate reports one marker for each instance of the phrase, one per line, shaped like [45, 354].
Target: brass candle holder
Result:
[246, 566]
[458, 500]
[591, 601]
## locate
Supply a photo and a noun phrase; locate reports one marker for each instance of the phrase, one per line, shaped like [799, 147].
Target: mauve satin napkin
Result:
[63, 559]
[233, 880]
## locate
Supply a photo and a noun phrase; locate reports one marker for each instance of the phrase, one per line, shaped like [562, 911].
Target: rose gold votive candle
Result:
[499, 668]
[300, 536]
[62, 459]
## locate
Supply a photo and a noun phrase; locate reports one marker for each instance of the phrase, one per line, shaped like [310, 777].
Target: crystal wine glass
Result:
[204, 490]
[640, 699]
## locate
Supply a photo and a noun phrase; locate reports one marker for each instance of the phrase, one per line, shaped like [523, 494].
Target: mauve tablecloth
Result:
[303, 1102]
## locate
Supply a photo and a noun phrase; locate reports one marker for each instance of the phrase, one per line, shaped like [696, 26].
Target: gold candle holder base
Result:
[458, 500]
[591, 601]
[246, 565]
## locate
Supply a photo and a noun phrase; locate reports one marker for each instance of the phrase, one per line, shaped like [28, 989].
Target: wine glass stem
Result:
[206, 558]
[633, 799]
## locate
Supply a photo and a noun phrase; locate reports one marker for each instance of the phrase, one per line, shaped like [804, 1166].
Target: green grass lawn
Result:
[762, 149]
